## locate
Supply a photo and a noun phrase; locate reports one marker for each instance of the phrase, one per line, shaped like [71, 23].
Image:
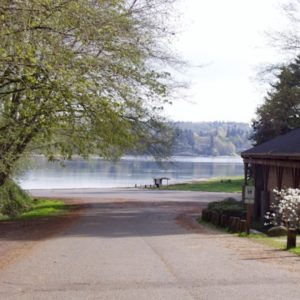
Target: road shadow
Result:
[112, 220]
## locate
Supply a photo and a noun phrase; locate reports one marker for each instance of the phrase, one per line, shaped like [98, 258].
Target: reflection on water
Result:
[127, 172]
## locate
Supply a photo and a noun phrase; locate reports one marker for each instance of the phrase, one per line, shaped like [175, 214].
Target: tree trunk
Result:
[3, 178]
[13, 150]
[291, 238]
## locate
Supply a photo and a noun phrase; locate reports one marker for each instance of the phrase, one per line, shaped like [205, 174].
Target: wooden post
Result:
[236, 224]
[243, 226]
[291, 238]
[230, 224]
[224, 221]
[249, 200]
[249, 217]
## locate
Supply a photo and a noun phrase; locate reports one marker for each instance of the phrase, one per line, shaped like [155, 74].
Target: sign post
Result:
[249, 200]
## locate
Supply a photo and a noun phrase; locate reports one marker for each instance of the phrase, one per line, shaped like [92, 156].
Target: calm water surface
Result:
[128, 172]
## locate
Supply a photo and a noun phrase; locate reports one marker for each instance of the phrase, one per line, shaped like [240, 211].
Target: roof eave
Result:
[279, 156]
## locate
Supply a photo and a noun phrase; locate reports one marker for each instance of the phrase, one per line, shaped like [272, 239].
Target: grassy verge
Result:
[211, 226]
[272, 242]
[41, 208]
[295, 251]
[229, 185]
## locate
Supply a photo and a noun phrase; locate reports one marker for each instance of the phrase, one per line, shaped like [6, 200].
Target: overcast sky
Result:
[229, 39]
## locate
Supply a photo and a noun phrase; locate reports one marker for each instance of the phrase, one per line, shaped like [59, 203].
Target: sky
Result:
[224, 43]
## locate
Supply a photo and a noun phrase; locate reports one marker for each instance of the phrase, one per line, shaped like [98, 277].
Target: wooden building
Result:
[274, 164]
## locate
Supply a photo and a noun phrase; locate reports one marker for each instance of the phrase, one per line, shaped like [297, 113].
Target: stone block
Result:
[277, 231]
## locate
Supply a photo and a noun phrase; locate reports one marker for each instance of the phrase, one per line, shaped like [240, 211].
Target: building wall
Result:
[264, 169]
[287, 178]
[272, 183]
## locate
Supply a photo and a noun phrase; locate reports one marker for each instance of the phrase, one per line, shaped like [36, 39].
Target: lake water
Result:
[128, 172]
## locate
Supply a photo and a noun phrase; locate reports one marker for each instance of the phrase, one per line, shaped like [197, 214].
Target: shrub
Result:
[229, 207]
[284, 208]
[285, 212]
[13, 200]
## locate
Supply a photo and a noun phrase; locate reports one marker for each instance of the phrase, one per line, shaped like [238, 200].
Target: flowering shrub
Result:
[284, 209]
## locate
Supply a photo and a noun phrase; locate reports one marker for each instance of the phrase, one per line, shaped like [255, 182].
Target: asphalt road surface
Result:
[139, 244]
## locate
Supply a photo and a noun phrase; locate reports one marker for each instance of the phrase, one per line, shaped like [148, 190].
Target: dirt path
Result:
[147, 246]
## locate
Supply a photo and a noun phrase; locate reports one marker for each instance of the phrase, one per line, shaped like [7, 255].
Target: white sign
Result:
[249, 194]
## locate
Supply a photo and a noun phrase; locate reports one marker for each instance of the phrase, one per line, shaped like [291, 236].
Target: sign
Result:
[249, 194]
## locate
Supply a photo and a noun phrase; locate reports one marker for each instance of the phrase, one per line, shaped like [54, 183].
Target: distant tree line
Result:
[210, 138]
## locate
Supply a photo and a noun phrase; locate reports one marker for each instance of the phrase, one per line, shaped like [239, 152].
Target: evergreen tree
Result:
[280, 112]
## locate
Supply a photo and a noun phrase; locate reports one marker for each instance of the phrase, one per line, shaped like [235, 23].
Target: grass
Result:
[41, 208]
[295, 250]
[229, 185]
[273, 242]
[211, 226]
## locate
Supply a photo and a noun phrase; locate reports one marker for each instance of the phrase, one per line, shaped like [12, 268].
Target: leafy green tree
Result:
[81, 77]
[280, 111]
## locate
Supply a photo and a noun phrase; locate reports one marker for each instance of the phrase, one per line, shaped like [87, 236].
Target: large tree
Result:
[81, 76]
[287, 39]
[280, 111]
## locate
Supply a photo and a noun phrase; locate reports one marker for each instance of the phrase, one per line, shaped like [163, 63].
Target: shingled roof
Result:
[284, 146]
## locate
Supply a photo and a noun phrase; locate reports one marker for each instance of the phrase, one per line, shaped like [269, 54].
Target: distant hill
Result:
[210, 138]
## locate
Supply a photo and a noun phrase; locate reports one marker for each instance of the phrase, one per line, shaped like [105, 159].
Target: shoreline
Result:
[126, 173]
[137, 187]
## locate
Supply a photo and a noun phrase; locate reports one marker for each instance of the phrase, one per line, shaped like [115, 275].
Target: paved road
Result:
[131, 245]
[111, 194]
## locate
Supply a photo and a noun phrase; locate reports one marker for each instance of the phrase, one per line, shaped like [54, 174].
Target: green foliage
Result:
[38, 208]
[261, 238]
[218, 205]
[210, 138]
[233, 185]
[210, 225]
[295, 250]
[45, 207]
[229, 207]
[280, 112]
[13, 200]
[82, 77]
